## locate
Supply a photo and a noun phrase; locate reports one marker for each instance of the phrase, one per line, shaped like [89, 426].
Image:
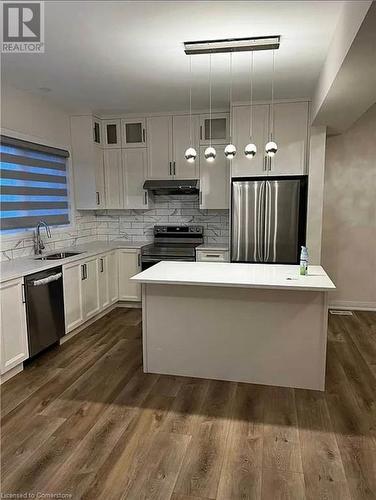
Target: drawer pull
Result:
[213, 255]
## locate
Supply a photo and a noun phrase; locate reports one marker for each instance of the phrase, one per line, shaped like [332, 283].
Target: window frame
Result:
[65, 228]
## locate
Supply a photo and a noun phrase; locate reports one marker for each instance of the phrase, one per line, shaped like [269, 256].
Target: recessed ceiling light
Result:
[232, 45]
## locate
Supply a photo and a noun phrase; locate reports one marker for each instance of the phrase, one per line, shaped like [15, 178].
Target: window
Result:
[34, 185]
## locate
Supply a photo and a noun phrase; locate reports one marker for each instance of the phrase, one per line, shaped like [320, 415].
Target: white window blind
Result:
[34, 185]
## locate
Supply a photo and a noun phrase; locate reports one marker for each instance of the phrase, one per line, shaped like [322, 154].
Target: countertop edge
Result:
[84, 254]
[236, 285]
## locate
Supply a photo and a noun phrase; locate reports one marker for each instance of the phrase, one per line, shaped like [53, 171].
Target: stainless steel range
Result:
[172, 243]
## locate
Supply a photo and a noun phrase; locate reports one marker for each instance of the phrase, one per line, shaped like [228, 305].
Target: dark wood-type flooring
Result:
[83, 419]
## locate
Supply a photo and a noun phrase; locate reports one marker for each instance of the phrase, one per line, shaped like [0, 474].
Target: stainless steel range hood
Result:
[173, 186]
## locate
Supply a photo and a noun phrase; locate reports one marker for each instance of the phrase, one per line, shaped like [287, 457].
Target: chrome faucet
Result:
[38, 243]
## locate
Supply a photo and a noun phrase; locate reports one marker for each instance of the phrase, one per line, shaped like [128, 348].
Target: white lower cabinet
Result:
[129, 265]
[103, 282]
[108, 279]
[113, 273]
[212, 255]
[90, 288]
[72, 279]
[14, 345]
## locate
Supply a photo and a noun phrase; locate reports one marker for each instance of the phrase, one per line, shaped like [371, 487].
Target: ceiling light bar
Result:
[232, 45]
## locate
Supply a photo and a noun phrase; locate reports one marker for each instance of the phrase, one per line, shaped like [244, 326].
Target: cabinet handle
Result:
[174, 168]
[265, 163]
[270, 163]
[200, 198]
[98, 198]
[102, 265]
[200, 132]
[170, 167]
[145, 197]
[85, 271]
[23, 294]
[139, 260]
[82, 272]
[212, 255]
[143, 135]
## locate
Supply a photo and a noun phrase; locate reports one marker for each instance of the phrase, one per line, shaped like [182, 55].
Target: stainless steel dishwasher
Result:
[44, 309]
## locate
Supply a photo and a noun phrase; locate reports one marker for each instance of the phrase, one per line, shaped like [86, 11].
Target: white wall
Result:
[33, 115]
[349, 229]
[349, 22]
[36, 118]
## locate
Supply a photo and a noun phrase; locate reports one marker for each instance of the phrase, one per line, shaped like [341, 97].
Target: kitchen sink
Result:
[58, 256]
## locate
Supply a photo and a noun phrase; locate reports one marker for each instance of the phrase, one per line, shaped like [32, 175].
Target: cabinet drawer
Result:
[212, 256]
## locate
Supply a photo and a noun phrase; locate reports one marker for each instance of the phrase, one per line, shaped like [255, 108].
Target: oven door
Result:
[148, 260]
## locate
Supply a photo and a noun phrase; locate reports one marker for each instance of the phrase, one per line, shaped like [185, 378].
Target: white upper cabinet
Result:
[134, 164]
[111, 133]
[159, 147]
[241, 166]
[133, 132]
[13, 333]
[180, 140]
[291, 135]
[219, 127]
[87, 162]
[113, 178]
[214, 180]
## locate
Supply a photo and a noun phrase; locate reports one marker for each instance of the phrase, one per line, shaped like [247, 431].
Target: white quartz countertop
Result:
[226, 274]
[17, 268]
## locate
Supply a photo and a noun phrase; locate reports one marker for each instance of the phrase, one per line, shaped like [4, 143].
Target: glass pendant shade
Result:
[230, 151]
[210, 154]
[190, 155]
[250, 150]
[271, 148]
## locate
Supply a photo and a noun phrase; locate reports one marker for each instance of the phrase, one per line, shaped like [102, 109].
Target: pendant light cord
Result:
[272, 113]
[251, 99]
[210, 101]
[230, 97]
[190, 100]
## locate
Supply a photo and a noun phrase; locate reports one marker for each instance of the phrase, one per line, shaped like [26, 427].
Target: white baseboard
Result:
[11, 373]
[353, 305]
[130, 305]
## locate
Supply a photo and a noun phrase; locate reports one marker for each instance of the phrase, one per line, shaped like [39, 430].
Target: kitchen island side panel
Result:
[272, 337]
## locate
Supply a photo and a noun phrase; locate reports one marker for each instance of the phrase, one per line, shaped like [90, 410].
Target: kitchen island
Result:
[256, 323]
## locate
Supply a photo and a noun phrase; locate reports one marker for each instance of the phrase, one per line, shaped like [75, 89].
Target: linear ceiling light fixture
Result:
[232, 45]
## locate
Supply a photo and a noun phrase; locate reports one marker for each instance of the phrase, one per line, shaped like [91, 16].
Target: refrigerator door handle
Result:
[259, 225]
[268, 208]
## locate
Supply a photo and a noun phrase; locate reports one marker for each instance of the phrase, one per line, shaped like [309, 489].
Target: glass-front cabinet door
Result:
[111, 133]
[217, 126]
[97, 132]
[133, 132]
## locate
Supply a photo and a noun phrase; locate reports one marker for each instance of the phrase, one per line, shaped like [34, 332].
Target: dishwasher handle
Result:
[45, 281]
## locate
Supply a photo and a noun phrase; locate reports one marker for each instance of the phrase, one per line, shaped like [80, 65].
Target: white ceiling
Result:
[111, 56]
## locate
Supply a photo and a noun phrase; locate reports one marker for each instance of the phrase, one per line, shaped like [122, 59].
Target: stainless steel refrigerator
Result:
[268, 219]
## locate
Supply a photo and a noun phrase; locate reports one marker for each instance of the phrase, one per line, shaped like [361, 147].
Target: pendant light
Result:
[230, 149]
[271, 147]
[190, 153]
[250, 150]
[210, 153]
